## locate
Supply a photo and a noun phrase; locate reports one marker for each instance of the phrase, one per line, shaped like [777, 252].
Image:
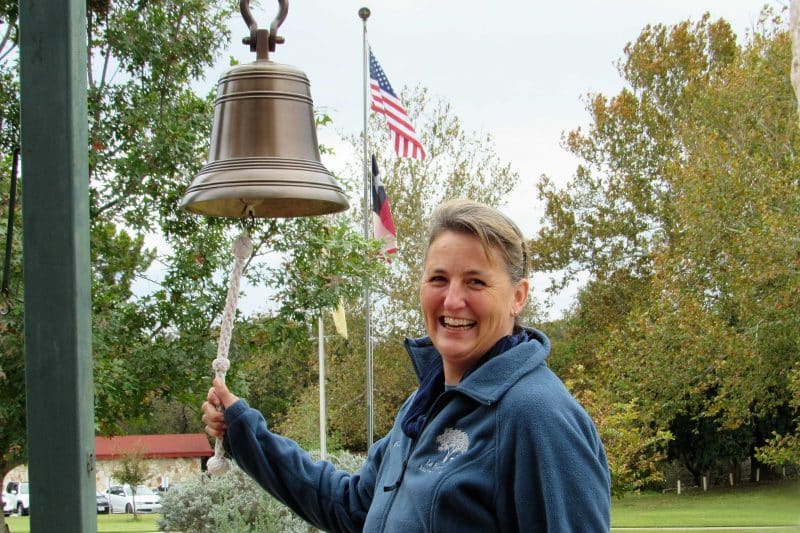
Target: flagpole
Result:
[364, 14]
[323, 411]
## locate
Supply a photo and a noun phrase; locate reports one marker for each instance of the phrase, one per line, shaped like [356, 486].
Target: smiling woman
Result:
[469, 293]
[490, 441]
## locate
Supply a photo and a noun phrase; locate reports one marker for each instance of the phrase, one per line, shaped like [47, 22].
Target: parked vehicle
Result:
[121, 499]
[102, 503]
[16, 498]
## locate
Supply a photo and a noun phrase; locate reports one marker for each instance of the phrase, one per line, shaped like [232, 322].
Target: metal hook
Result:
[256, 35]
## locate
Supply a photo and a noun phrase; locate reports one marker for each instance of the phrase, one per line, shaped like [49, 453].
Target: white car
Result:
[16, 498]
[121, 499]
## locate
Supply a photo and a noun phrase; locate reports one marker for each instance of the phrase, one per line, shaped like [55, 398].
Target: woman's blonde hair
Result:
[489, 225]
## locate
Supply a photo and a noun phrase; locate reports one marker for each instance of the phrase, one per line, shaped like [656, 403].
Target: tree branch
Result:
[5, 40]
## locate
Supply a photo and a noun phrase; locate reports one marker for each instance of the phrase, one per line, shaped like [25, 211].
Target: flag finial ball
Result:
[364, 13]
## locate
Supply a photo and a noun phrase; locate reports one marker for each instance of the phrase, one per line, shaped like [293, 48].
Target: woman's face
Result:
[468, 300]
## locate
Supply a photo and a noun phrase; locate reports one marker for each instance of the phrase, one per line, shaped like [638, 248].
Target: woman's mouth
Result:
[456, 323]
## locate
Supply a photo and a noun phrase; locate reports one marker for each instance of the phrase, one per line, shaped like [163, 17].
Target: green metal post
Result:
[55, 221]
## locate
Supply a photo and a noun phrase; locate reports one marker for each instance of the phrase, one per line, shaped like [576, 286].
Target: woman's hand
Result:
[219, 397]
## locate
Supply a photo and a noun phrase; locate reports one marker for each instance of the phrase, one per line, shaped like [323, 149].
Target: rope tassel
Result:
[242, 249]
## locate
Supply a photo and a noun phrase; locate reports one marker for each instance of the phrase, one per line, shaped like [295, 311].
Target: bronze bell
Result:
[264, 158]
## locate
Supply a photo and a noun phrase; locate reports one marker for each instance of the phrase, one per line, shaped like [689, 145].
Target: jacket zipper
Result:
[396, 485]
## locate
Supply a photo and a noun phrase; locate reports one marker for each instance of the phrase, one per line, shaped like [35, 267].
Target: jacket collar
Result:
[492, 379]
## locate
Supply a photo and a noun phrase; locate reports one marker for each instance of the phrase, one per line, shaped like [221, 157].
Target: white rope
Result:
[242, 249]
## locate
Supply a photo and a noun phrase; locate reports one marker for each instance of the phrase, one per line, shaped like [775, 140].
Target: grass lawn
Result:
[767, 504]
[105, 523]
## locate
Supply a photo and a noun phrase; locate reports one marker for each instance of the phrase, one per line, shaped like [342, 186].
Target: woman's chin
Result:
[456, 353]
[452, 343]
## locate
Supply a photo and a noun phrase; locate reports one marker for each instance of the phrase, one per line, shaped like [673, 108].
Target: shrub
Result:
[234, 503]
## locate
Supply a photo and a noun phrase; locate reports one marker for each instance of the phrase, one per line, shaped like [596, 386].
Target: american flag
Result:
[386, 102]
[382, 222]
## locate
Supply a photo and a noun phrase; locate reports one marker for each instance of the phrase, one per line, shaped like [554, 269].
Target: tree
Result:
[275, 354]
[730, 269]
[687, 200]
[132, 471]
[148, 133]
[168, 416]
[783, 447]
[634, 448]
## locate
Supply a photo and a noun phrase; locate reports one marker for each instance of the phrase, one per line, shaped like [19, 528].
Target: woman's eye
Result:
[477, 282]
[437, 279]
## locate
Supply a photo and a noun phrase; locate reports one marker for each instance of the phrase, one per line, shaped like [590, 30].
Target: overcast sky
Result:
[517, 70]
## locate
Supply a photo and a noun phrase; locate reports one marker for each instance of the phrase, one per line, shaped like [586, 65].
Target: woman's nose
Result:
[454, 298]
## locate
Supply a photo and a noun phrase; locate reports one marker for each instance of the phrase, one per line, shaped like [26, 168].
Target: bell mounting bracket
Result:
[262, 41]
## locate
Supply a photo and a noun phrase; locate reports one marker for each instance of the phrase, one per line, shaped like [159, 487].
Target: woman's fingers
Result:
[218, 398]
[213, 419]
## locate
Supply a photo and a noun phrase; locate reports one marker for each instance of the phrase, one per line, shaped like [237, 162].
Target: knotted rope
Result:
[242, 249]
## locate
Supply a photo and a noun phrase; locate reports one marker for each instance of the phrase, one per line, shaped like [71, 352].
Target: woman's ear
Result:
[520, 296]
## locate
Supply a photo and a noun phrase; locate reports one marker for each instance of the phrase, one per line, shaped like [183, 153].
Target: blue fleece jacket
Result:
[508, 449]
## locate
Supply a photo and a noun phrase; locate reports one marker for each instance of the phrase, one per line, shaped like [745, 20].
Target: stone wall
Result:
[162, 471]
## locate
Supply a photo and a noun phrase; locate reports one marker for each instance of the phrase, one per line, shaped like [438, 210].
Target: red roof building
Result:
[153, 446]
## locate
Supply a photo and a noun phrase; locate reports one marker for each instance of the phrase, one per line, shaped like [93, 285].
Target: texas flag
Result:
[382, 223]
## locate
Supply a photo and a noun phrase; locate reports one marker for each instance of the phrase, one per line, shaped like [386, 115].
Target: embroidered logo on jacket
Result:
[452, 443]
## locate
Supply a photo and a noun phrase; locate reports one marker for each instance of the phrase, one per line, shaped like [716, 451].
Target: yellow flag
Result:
[340, 320]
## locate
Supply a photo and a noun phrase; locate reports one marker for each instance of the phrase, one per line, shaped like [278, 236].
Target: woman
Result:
[490, 441]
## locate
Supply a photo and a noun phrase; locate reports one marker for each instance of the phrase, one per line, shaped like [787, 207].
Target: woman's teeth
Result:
[462, 323]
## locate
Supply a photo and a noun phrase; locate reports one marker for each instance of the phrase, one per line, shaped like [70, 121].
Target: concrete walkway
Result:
[710, 528]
